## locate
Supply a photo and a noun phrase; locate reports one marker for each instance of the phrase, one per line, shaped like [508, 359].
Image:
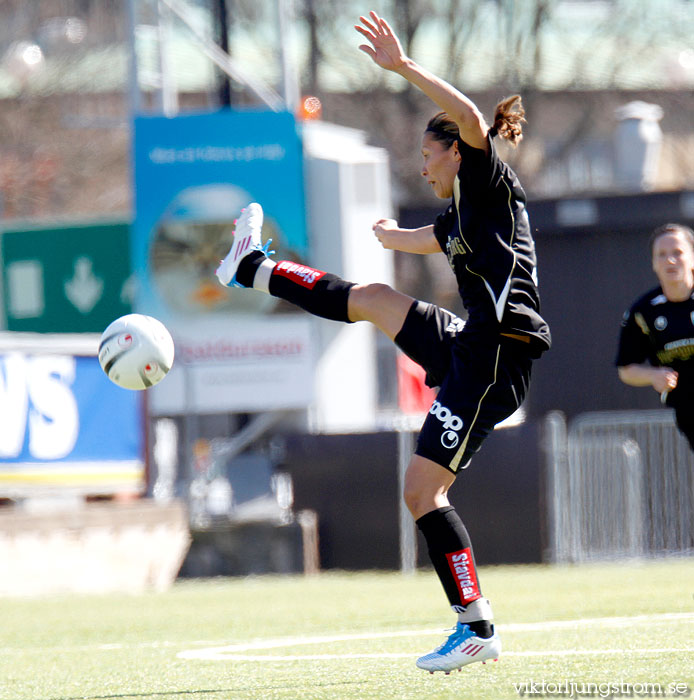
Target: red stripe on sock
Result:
[463, 570]
[301, 274]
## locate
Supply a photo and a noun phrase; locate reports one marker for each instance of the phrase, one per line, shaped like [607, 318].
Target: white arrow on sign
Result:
[84, 288]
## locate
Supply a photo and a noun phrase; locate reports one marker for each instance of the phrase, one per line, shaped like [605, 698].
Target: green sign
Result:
[67, 279]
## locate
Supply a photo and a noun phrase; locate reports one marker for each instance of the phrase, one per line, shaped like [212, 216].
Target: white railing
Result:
[619, 484]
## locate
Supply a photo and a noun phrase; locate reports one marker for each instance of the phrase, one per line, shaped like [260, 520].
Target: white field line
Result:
[201, 654]
[284, 642]
[595, 622]
[235, 652]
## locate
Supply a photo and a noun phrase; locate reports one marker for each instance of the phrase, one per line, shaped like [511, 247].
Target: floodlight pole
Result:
[221, 14]
[134, 95]
[290, 83]
[168, 94]
[222, 59]
[166, 10]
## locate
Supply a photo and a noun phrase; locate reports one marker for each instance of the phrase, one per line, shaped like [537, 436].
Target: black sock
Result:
[320, 293]
[482, 628]
[450, 551]
[248, 266]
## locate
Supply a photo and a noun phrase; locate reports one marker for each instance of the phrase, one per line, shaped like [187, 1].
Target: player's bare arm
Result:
[386, 51]
[662, 379]
[408, 240]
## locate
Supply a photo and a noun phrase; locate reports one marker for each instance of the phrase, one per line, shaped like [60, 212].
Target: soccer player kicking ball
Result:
[481, 366]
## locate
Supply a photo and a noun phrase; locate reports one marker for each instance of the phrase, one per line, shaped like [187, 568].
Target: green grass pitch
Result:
[356, 636]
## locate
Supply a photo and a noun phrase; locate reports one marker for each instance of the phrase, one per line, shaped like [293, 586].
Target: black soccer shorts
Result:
[482, 379]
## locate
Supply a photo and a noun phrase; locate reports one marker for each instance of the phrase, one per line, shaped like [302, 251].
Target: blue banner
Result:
[193, 175]
[58, 409]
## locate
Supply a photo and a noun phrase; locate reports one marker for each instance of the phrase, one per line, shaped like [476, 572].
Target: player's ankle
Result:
[248, 267]
[482, 628]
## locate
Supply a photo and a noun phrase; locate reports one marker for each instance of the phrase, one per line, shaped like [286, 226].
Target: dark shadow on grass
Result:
[193, 693]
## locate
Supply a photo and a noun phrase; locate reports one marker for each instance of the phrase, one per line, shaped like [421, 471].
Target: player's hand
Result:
[664, 379]
[385, 49]
[386, 231]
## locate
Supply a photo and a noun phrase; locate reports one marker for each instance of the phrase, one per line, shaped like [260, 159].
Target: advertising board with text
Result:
[193, 176]
[66, 426]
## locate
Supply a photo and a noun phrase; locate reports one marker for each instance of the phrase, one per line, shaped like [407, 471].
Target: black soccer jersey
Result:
[661, 333]
[485, 233]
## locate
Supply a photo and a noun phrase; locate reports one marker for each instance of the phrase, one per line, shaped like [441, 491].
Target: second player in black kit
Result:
[656, 343]
[482, 366]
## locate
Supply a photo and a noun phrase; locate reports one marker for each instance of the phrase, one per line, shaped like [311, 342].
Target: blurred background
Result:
[131, 134]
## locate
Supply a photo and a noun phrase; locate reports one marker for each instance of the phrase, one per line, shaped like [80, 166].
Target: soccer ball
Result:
[136, 351]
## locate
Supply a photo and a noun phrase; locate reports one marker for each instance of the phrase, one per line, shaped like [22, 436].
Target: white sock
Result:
[261, 281]
[479, 609]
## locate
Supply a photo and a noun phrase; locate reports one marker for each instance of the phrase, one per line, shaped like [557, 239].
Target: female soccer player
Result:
[481, 366]
[656, 344]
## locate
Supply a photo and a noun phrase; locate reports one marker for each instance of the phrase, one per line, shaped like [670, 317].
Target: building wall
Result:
[351, 482]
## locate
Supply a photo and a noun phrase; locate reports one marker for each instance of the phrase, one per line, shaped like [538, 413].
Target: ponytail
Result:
[509, 116]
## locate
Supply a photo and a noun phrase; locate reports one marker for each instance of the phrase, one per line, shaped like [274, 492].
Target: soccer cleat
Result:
[460, 649]
[246, 239]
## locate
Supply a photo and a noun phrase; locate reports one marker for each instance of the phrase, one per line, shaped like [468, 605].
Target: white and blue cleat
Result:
[463, 647]
[246, 239]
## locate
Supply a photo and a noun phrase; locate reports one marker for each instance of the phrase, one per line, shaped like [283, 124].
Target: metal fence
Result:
[619, 484]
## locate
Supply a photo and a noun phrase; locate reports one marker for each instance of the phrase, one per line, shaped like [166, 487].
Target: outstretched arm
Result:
[386, 52]
[408, 240]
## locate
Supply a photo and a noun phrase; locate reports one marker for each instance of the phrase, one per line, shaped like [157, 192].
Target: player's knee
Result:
[364, 298]
[368, 295]
[426, 486]
[412, 497]
[417, 499]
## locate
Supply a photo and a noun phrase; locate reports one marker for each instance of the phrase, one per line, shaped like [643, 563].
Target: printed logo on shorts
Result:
[449, 439]
[660, 323]
[301, 274]
[451, 423]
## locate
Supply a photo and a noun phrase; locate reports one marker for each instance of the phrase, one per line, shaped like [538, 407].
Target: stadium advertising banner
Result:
[260, 366]
[193, 175]
[66, 426]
